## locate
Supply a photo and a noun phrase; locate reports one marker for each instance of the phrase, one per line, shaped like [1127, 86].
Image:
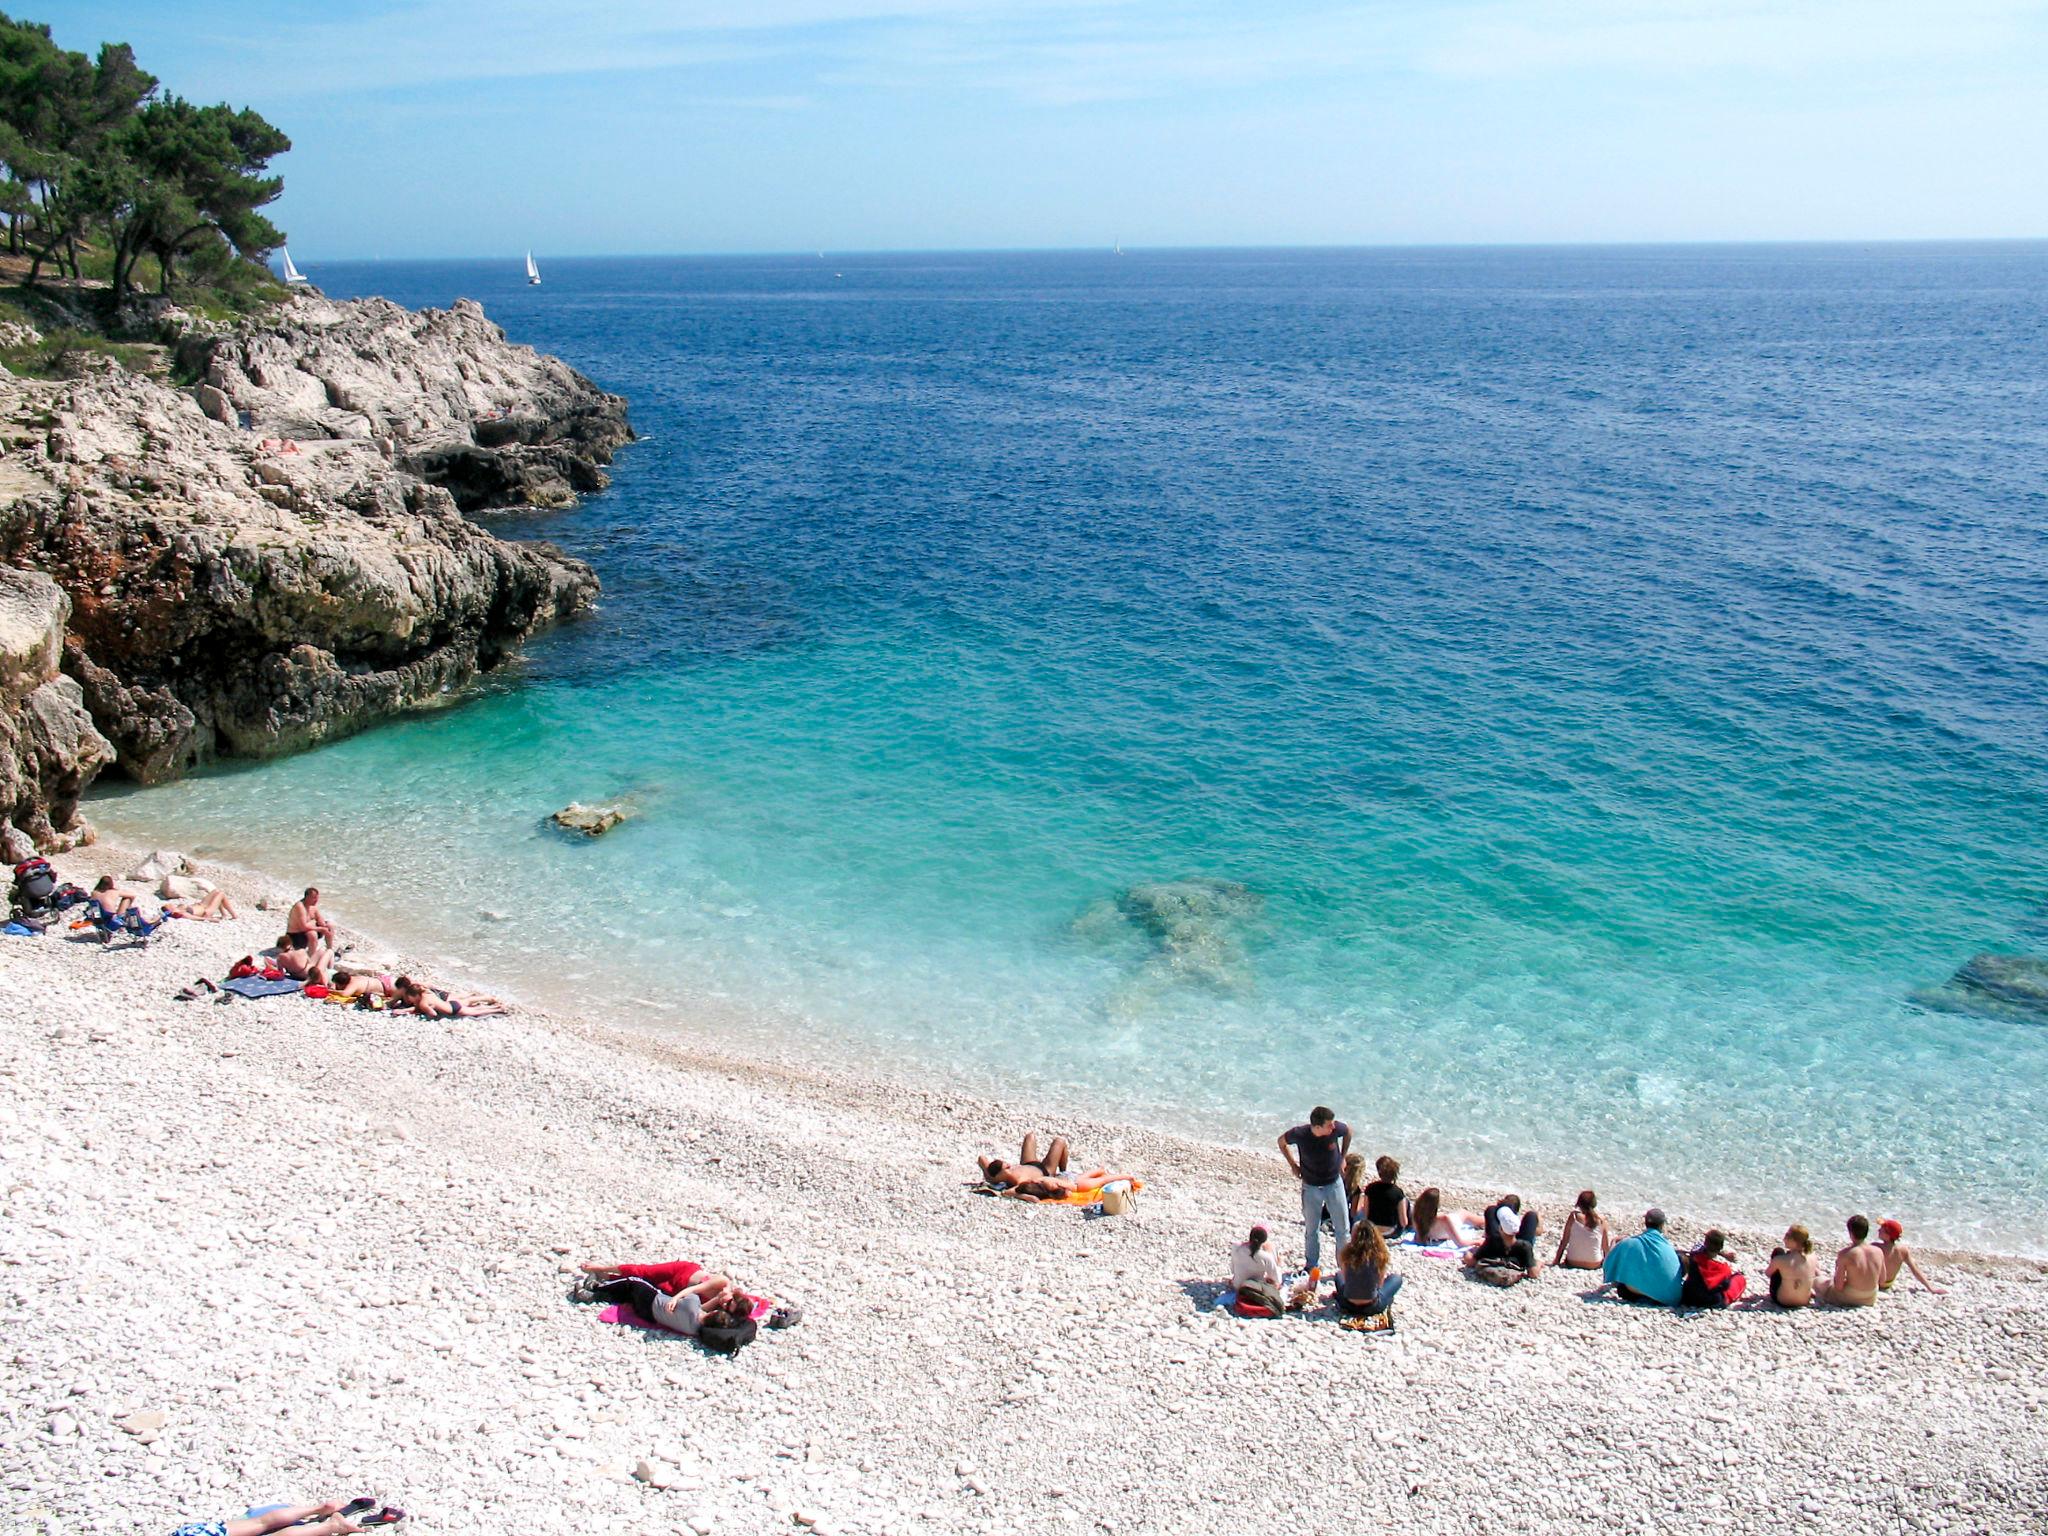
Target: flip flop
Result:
[347, 1511]
[186, 994]
[385, 1516]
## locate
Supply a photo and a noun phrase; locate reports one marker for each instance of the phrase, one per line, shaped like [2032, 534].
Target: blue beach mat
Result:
[256, 986]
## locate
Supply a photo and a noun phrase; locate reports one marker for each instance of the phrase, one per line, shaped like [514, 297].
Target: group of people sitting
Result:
[1500, 1245]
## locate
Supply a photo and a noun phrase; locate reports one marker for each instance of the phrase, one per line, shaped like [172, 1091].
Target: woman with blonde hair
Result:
[1365, 1284]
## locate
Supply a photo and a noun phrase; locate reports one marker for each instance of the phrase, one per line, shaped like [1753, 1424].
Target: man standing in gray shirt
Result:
[1316, 1154]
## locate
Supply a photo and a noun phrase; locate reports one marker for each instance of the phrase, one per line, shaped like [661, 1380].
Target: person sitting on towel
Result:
[1791, 1271]
[1645, 1267]
[1710, 1279]
[300, 961]
[1383, 1202]
[1254, 1259]
[1042, 1178]
[1433, 1224]
[1365, 1284]
[1586, 1239]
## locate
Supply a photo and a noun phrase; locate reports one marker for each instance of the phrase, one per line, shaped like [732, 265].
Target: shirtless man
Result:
[1042, 1178]
[1859, 1269]
[306, 917]
[1897, 1256]
[1791, 1271]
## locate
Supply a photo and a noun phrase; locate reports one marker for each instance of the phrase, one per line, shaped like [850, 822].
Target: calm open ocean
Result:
[1616, 678]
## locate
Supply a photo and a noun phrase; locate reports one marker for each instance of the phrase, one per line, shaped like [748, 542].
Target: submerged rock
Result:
[1195, 927]
[2006, 986]
[590, 820]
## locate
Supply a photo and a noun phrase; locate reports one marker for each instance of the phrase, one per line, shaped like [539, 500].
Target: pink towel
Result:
[762, 1306]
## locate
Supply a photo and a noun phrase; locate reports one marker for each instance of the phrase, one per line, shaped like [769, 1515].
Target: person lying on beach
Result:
[1711, 1279]
[1586, 1239]
[379, 985]
[1033, 1177]
[1859, 1269]
[307, 918]
[1890, 1241]
[1383, 1202]
[1433, 1224]
[326, 1520]
[1254, 1259]
[1645, 1267]
[1791, 1272]
[685, 1309]
[432, 1003]
[213, 907]
[300, 962]
[1366, 1284]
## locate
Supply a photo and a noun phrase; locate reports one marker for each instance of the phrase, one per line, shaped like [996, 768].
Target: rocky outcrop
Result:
[1194, 929]
[49, 750]
[590, 820]
[264, 560]
[441, 390]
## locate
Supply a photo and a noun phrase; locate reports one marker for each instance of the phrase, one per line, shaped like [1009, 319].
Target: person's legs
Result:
[1056, 1156]
[1389, 1289]
[1312, 1223]
[1340, 1214]
[1028, 1153]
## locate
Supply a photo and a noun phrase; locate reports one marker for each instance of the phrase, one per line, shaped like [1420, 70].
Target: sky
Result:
[463, 128]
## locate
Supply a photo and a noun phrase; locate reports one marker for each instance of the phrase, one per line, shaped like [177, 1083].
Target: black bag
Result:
[727, 1338]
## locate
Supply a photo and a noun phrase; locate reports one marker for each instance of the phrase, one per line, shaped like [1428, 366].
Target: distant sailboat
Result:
[532, 272]
[1118, 250]
[291, 273]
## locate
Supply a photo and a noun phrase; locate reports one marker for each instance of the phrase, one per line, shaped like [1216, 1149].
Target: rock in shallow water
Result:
[590, 820]
[2006, 986]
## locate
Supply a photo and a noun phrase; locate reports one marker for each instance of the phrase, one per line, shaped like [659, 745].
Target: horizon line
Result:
[814, 252]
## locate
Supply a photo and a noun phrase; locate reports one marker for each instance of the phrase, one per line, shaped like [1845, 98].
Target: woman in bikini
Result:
[431, 1003]
[1433, 1224]
[378, 986]
[1042, 1178]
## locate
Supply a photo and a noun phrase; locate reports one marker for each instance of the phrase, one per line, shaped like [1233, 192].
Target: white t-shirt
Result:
[1245, 1266]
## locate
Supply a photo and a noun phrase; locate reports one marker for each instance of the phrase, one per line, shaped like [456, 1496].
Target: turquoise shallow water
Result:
[1615, 677]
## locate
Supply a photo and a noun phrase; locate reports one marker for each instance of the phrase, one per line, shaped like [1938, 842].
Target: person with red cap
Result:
[1890, 1242]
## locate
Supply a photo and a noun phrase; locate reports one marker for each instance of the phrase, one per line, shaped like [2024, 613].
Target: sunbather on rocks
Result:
[376, 985]
[1042, 1178]
[324, 1520]
[680, 1296]
[433, 1003]
[213, 907]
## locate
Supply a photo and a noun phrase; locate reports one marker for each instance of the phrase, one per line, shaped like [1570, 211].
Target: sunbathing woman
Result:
[1042, 1178]
[210, 908]
[296, 960]
[380, 986]
[322, 1520]
[1433, 1224]
[431, 1003]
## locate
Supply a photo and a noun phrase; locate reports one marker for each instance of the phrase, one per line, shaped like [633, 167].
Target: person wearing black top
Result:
[1385, 1203]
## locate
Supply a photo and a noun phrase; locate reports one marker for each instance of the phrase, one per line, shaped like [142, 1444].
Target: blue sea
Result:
[1589, 691]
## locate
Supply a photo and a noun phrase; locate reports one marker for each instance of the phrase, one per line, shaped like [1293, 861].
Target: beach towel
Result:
[22, 931]
[256, 986]
[758, 1308]
[1074, 1197]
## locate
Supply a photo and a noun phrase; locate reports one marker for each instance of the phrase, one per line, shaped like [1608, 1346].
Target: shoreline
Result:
[693, 1024]
[349, 1232]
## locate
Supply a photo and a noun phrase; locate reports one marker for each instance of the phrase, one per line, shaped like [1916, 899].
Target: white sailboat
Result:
[532, 272]
[291, 273]
[1118, 250]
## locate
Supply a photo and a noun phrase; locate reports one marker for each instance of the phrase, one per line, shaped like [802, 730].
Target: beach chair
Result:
[130, 925]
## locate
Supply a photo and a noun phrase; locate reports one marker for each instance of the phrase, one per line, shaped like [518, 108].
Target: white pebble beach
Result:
[277, 1251]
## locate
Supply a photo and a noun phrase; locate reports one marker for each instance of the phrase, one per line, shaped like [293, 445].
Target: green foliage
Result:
[49, 358]
[96, 166]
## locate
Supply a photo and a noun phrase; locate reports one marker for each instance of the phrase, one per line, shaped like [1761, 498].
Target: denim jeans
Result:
[1316, 1199]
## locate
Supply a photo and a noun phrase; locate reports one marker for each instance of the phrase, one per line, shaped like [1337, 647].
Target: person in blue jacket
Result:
[1645, 1267]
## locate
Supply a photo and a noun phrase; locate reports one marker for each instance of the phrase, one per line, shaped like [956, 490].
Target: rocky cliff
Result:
[276, 554]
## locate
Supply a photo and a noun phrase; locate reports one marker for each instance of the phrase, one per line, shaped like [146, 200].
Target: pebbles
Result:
[222, 1280]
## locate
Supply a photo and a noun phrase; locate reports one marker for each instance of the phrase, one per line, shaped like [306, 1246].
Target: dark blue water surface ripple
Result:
[1621, 674]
